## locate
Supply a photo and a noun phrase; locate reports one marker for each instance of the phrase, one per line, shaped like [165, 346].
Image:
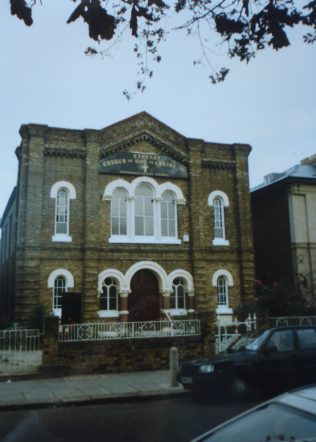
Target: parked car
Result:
[288, 417]
[278, 357]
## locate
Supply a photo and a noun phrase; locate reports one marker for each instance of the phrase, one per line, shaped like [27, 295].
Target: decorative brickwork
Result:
[89, 246]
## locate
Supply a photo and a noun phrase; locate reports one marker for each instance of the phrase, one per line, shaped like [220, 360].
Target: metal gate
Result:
[20, 351]
[228, 332]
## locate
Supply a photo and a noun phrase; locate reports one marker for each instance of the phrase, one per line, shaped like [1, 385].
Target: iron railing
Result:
[129, 330]
[20, 350]
[281, 321]
[20, 340]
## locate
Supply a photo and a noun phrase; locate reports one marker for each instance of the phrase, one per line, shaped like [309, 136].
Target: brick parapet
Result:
[118, 356]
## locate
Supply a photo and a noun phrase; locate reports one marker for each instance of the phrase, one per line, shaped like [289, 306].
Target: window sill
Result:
[143, 240]
[61, 238]
[57, 312]
[224, 310]
[178, 312]
[108, 314]
[220, 242]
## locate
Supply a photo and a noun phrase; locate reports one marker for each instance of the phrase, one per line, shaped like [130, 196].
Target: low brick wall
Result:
[114, 356]
[123, 356]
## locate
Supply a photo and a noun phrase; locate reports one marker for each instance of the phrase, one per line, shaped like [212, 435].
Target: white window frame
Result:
[109, 313]
[222, 291]
[70, 194]
[119, 217]
[176, 310]
[69, 283]
[62, 211]
[158, 191]
[143, 199]
[58, 289]
[218, 195]
[223, 309]
[168, 219]
[218, 218]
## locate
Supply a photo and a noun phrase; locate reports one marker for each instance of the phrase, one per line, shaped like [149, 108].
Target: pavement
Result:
[86, 389]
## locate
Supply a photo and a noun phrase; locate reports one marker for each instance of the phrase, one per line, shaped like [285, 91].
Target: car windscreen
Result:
[269, 423]
[249, 342]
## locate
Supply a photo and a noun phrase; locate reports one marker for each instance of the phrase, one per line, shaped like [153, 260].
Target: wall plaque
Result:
[137, 163]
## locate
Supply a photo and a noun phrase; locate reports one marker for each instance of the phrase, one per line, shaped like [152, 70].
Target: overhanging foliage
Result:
[243, 26]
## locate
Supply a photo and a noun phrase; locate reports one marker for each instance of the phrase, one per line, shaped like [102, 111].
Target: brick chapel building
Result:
[130, 221]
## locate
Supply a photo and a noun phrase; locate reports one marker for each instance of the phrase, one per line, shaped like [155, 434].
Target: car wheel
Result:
[239, 387]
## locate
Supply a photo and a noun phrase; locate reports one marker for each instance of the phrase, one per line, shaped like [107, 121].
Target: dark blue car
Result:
[282, 357]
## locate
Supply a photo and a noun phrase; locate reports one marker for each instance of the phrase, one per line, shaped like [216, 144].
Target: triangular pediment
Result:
[141, 130]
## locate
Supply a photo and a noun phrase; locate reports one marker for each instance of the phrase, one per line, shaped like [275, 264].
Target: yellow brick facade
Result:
[52, 155]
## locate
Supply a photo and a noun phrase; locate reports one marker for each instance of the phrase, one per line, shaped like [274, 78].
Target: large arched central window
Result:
[119, 212]
[144, 210]
[168, 214]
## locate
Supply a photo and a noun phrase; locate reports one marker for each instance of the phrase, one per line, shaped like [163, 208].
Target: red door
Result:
[143, 301]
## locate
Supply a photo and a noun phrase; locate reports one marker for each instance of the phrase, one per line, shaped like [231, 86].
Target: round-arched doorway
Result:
[143, 301]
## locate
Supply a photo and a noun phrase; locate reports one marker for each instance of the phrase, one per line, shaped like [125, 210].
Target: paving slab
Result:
[33, 393]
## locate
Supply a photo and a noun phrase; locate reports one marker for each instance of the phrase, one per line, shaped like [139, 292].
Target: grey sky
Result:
[46, 79]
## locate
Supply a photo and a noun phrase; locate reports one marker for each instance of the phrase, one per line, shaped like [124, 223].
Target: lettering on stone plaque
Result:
[137, 163]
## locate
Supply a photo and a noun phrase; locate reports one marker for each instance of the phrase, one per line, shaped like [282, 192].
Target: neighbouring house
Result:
[133, 223]
[284, 225]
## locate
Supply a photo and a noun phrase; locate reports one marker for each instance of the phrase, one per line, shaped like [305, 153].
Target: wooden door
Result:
[143, 301]
[71, 308]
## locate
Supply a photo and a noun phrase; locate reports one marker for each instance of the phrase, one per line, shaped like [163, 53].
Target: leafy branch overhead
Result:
[244, 27]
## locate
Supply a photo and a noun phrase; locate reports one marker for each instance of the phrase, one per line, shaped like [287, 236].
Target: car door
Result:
[278, 362]
[306, 357]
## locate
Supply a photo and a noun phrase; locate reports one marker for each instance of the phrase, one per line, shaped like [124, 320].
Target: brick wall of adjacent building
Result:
[271, 226]
[285, 234]
[8, 262]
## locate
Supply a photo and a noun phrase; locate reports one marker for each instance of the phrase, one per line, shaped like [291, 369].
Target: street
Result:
[169, 420]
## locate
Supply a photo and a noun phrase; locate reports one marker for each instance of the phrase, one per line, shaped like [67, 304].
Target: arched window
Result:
[218, 200]
[218, 218]
[59, 281]
[61, 213]
[222, 279]
[168, 214]
[63, 192]
[144, 210]
[60, 287]
[119, 212]
[109, 295]
[177, 297]
[222, 291]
